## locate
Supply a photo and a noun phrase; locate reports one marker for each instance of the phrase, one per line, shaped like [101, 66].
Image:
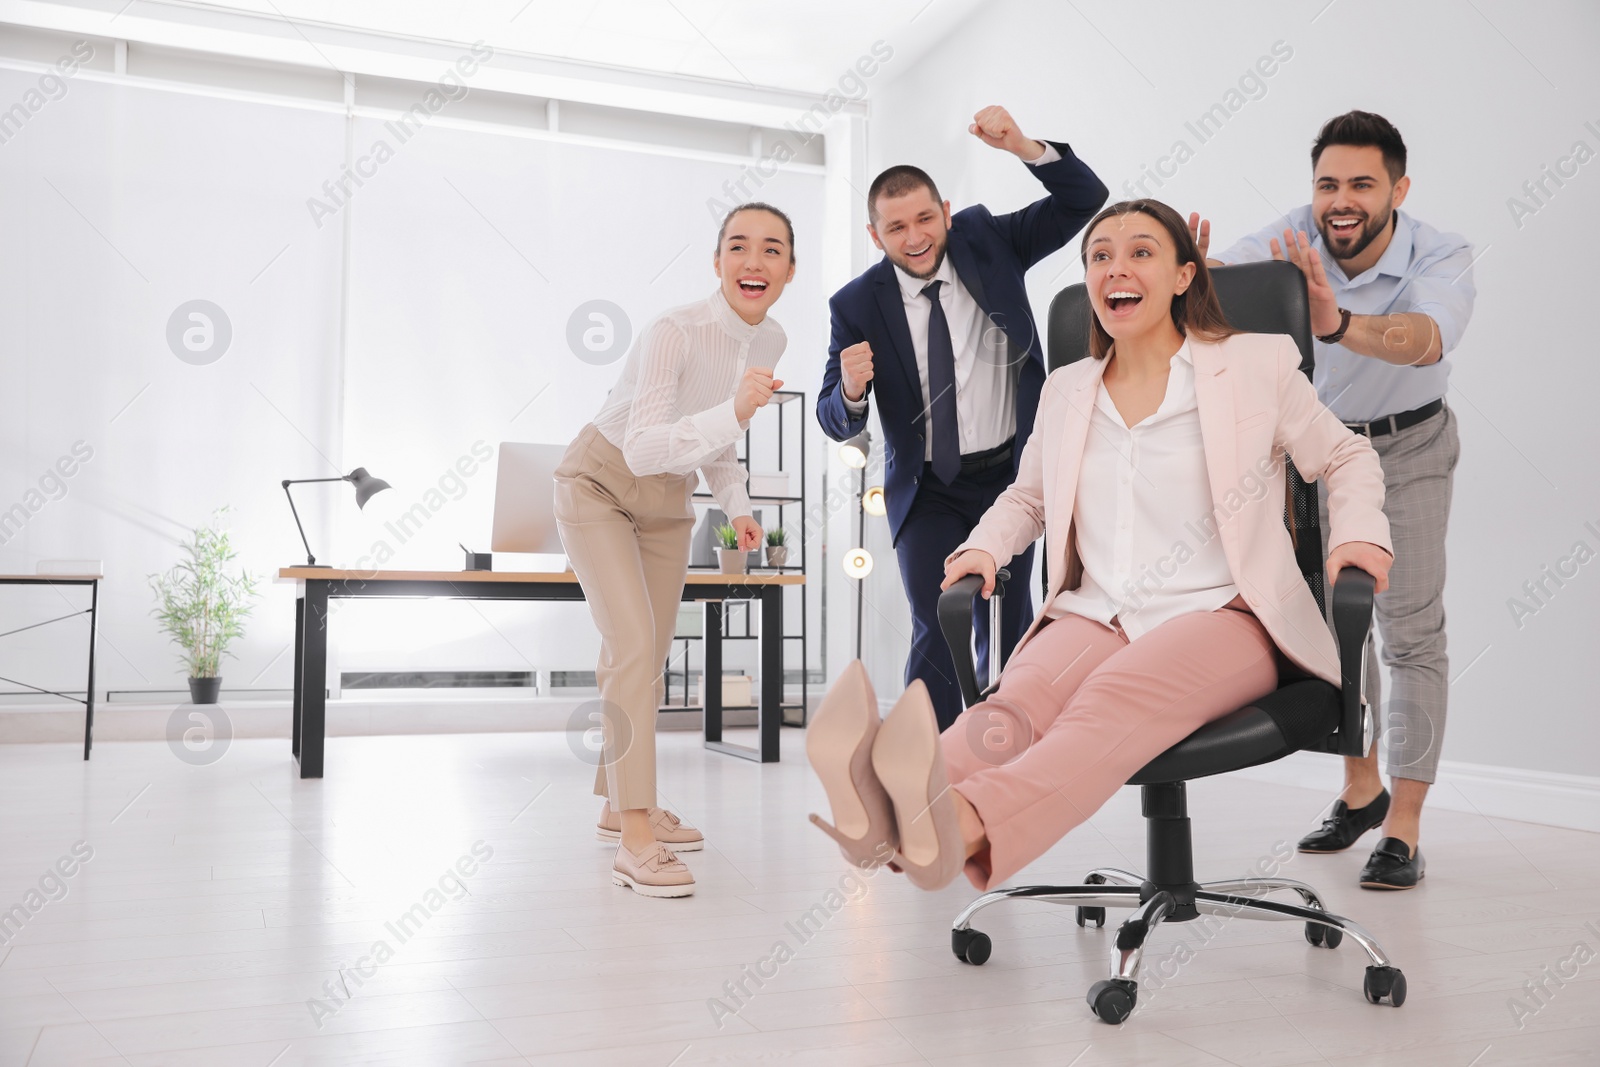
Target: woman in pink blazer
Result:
[1154, 474]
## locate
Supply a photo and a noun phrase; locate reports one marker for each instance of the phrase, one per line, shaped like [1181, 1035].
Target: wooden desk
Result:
[93, 611]
[318, 585]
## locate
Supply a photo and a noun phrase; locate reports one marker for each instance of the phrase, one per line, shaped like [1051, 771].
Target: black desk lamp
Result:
[366, 485]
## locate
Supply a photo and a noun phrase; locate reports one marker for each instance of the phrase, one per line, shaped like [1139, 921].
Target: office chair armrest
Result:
[1352, 625]
[955, 622]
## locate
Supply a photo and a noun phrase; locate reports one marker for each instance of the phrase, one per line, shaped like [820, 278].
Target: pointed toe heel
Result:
[910, 764]
[839, 744]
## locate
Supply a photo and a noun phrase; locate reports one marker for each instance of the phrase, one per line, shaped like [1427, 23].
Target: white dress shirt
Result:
[1142, 516]
[672, 410]
[986, 380]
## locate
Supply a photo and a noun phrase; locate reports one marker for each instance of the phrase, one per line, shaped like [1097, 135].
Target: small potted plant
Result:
[202, 605]
[777, 548]
[731, 559]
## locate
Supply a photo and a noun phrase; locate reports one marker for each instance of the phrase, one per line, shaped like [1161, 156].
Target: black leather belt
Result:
[1393, 423]
[973, 462]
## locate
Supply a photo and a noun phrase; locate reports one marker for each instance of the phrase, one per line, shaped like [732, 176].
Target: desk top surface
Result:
[694, 577]
[52, 577]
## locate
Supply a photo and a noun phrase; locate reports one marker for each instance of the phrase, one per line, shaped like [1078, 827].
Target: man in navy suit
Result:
[945, 317]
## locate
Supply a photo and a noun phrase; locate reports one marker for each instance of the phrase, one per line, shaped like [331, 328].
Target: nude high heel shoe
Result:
[839, 743]
[910, 764]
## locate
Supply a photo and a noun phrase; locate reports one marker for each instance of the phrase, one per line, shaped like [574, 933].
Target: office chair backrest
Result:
[1268, 297]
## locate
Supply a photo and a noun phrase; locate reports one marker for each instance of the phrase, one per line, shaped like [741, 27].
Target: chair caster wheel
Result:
[1112, 999]
[1383, 982]
[971, 946]
[1318, 934]
[1091, 915]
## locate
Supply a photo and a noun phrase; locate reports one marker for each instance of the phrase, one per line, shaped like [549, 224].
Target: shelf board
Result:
[759, 499]
[727, 707]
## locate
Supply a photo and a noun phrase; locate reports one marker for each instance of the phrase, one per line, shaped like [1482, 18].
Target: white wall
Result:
[1484, 100]
[447, 326]
[118, 205]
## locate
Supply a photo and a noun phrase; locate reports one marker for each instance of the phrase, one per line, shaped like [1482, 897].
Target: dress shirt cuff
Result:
[718, 426]
[734, 501]
[856, 408]
[1051, 155]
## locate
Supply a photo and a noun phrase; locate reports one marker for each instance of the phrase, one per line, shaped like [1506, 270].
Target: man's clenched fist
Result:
[855, 367]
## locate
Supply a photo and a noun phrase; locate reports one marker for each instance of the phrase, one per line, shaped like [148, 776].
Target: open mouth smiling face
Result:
[1122, 302]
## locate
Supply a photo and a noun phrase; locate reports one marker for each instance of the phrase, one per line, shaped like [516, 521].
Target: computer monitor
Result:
[524, 499]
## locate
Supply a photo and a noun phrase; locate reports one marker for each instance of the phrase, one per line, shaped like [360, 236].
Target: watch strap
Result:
[1337, 335]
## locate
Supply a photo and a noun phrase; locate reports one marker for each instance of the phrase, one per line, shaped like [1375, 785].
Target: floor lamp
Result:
[858, 561]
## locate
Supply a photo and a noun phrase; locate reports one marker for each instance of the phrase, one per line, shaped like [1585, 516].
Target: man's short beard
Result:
[938, 261]
[1369, 233]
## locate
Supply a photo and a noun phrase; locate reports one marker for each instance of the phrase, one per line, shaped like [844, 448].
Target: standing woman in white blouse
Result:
[691, 383]
[1154, 473]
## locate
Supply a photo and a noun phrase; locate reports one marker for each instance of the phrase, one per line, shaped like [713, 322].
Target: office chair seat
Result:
[1285, 721]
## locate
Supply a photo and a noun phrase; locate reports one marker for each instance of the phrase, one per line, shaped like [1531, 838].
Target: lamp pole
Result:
[861, 542]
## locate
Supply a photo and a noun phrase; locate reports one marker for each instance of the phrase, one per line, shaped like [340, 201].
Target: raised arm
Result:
[1076, 193]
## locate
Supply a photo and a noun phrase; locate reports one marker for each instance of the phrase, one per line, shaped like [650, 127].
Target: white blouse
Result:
[672, 410]
[1142, 515]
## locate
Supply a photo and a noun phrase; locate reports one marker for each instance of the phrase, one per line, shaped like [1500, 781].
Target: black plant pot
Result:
[204, 690]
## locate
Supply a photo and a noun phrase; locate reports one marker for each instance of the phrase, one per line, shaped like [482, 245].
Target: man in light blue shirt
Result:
[1390, 298]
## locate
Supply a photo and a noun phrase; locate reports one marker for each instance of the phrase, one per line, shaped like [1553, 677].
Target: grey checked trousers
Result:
[1419, 465]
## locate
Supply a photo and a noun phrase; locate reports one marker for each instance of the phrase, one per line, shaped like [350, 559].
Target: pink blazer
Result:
[1253, 404]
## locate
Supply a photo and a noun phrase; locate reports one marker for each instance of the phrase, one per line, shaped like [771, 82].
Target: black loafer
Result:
[1393, 865]
[1344, 825]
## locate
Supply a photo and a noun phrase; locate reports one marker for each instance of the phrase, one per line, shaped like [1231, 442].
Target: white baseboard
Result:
[348, 717]
[1545, 797]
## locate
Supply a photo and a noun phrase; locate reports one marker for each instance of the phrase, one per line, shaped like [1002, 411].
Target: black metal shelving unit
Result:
[784, 401]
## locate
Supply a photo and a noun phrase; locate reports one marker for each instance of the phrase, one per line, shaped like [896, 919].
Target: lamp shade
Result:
[855, 451]
[858, 563]
[366, 485]
[873, 502]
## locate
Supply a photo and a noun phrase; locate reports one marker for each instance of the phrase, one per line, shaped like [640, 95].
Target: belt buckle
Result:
[1362, 428]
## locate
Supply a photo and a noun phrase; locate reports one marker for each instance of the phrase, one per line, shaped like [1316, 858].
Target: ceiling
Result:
[805, 47]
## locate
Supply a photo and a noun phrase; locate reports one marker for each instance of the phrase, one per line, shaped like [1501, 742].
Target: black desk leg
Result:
[94, 632]
[770, 715]
[711, 685]
[299, 683]
[313, 678]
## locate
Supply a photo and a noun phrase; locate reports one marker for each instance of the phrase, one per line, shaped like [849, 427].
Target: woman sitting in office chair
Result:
[622, 502]
[1154, 474]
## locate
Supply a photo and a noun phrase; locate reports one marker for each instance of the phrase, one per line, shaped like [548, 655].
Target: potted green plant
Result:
[777, 546]
[202, 603]
[731, 559]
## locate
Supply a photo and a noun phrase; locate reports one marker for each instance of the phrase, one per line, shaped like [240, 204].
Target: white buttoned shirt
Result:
[672, 410]
[1142, 515]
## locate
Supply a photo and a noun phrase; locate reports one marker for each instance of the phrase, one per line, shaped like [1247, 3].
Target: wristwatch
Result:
[1337, 335]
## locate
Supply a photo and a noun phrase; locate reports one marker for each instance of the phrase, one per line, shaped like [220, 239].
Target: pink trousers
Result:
[1080, 709]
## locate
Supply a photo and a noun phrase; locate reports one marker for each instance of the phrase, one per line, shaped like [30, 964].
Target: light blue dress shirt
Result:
[1422, 270]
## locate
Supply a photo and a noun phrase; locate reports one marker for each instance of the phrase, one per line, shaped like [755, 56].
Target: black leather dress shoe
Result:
[1341, 828]
[1393, 865]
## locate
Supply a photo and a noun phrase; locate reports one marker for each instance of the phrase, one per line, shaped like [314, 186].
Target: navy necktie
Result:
[943, 422]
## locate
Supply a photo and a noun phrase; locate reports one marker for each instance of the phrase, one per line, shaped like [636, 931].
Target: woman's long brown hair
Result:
[1195, 311]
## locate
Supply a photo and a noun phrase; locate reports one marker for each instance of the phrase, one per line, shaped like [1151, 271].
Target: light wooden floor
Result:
[221, 899]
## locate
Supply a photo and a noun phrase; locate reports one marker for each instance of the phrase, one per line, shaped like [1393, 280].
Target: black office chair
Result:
[1304, 713]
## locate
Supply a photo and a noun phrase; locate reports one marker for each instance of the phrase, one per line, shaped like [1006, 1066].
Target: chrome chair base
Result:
[1113, 999]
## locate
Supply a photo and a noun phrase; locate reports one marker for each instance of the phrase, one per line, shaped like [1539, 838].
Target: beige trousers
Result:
[627, 538]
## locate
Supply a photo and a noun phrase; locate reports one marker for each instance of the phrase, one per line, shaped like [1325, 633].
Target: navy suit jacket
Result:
[990, 254]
